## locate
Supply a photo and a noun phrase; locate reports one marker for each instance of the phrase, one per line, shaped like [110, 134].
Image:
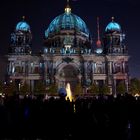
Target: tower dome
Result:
[113, 26]
[23, 26]
[67, 21]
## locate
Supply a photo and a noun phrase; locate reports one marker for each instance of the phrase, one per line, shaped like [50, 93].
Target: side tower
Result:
[116, 56]
[114, 39]
[21, 39]
[19, 55]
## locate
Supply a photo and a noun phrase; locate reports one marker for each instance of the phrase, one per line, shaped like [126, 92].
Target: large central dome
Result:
[67, 21]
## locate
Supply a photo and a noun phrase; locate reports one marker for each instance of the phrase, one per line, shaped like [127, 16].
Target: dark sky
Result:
[39, 13]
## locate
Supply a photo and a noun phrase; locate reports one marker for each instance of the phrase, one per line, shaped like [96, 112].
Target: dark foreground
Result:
[56, 119]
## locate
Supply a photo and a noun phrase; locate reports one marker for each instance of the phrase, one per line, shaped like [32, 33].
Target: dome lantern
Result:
[68, 9]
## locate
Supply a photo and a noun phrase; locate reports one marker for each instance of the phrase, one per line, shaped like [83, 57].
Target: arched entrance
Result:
[68, 74]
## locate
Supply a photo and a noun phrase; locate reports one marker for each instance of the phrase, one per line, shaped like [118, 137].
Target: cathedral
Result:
[69, 55]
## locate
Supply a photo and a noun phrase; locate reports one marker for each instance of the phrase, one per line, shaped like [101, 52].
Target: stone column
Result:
[32, 85]
[126, 84]
[10, 68]
[111, 66]
[85, 69]
[93, 68]
[114, 87]
[109, 75]
[13, 68]
[110, 72]
[45, 71]
[123, 66]
[79, 78]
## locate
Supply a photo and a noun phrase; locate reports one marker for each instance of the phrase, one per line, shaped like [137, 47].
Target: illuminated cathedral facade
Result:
[69, 55]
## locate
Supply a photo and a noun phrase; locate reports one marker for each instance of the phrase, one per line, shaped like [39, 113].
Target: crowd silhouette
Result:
[98, 117]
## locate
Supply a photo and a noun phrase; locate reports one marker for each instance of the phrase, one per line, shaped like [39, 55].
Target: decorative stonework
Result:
[67, 60]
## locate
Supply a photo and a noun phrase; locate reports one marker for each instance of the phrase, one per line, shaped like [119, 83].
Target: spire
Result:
[68, 1]
[68, 9]
[98, 43]
[112, 18]
[23, 18]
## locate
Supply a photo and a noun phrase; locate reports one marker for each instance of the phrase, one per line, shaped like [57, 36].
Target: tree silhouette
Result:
[105, 90]
[135, 86]
[10, 89]
[121, 89]
[40, 88]
[25, 89]
[52, 90]
[94, 89]
[1, 87]
[78, 90]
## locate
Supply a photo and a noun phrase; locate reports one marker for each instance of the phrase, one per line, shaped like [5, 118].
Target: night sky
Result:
[39, 13]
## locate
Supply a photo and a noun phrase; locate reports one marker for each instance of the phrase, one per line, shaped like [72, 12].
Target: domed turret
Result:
[23, 26]
[113, 26]
[21, 39]
[114, 39]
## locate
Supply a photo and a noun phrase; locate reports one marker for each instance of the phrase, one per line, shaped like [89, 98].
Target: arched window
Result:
[117, 67]
[99, 68]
